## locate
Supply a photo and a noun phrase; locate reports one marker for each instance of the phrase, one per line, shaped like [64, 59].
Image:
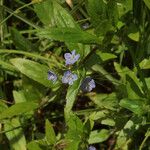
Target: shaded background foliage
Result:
[112, 38]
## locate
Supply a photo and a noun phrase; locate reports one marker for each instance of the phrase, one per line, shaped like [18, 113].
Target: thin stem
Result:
[20, 17]
[14, 12]
[146, 137]
[15, 128]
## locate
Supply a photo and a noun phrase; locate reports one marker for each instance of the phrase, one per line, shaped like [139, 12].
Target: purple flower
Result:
[69, 78]
[52, 76]
[91, 148]
[88, 84]
[71, 58]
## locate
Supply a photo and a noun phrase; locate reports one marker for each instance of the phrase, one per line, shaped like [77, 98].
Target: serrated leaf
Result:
[33, 70]
[44, 11]
[63, 17]
[18, 109]
[50, 134]
[71, 35]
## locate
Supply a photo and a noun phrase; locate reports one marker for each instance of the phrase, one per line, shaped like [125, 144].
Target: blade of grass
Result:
[20, 17]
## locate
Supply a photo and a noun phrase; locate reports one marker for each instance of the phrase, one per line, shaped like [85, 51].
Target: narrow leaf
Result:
[50, 134]
[18, 109]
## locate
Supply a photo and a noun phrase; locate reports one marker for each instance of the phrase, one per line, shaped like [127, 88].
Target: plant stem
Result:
[146, 137]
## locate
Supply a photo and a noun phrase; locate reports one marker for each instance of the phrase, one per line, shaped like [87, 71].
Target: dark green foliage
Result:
[111, 39]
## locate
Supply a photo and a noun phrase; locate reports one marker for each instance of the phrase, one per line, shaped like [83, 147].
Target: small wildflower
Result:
[69, 77]
[91, 148]
[52, 76]
[71, 58]
[88, 84]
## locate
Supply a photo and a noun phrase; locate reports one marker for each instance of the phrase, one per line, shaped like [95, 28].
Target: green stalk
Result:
[15, 12]
[24, 53]
[20, 17]
[145, 139]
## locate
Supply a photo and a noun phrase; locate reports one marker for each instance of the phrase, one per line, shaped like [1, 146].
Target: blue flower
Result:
[69, 77]
[88, 84]
[71, 58]
[52, 76]
[91, 148]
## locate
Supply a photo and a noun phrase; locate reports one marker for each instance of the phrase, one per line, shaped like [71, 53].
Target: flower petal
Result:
[67, 56]
[64, 80]
[73, 52]
[75, 77]
[77, 57]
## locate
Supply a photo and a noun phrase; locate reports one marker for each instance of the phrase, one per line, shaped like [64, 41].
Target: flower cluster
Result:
[68, 78]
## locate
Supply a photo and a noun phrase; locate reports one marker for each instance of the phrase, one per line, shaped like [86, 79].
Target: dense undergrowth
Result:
[74, 75]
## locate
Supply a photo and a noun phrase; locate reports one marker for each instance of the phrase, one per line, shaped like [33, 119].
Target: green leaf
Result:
[18, 109]
[131, 82]
[112, 11]
[33, 70]
[7, 66]
[97, 12]
[71, 35]
[127, 133]
[147, 3]
[44, 11]
[124, 6]
[19, 96]
[103, 15]
[98, 68]
[50, 134]
[105, 56]
[135, 105]
[20, 41]
[62, 17]
[145, 64]
[75, 131]
[108, 121]
[71, 95]
[33, 146]
[135, 87]
[3, 106]
[134, 36]
[98, 136]
[15, 136]
[108, 101]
